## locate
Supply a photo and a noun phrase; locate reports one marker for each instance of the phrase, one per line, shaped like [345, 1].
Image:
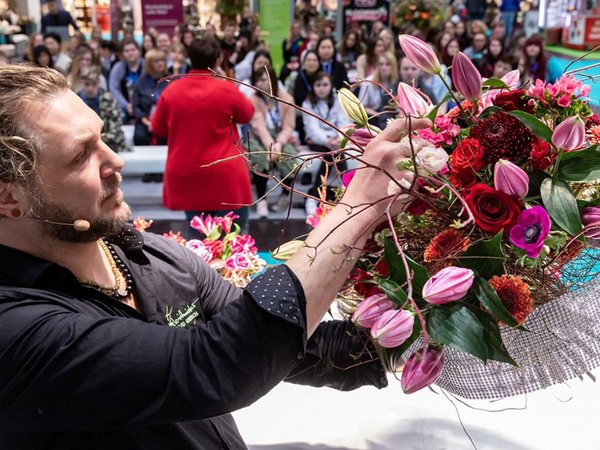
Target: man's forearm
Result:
[330, 253]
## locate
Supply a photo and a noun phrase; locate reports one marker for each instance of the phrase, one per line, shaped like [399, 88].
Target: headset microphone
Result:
[78, 225]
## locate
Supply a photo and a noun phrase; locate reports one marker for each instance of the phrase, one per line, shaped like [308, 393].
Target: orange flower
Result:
[445, 246]
[514, 295]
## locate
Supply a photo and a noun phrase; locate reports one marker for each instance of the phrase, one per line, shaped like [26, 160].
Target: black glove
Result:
[340, 356]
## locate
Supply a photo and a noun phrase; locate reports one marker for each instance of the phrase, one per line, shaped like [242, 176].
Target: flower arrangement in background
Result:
[231, 253]
[422, 14]
[502, 194]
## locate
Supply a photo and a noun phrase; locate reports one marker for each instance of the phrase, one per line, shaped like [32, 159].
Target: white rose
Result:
[431, 159]
[417, 144]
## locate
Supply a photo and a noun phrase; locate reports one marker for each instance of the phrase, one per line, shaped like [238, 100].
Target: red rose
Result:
[511, 100]
[493, 210]
[541, 156]
[467, 157]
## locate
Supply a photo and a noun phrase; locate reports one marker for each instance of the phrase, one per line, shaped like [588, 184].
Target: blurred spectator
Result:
[262, 59]
[84, 57]
[123, 77]
[493, 52]
[76, 40]
[96, 34]
[348, 52]
[57, 17]
[187, 36]
[108, 58]
[306, 76]
[148, 43]
[311, 43]
[329, 62]
[373, 93]
[433, 86]
[387, 37]
[229, 48]
[461, 34]
[322, 102]
[475, 9]
[442, 40]
[179, 60]
[367, 62]
[449, 27]
[35, 39]
[503, 65]
[272, 125]
[42, 57]
[61, 61]
[498, 31]
[376, 28]
[292, 46]
[210, 31]
[105, 106]
[535, 60]
[163, 43]
[3, 59]
[477, 26]
[198, 114]
[411, 75]
[146, 92]
[475, 51]
[509, 10]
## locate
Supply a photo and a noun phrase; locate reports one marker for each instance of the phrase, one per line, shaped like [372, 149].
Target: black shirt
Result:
[81, 370]
[61, 19]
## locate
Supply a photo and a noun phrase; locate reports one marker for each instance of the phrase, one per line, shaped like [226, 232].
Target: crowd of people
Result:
[123, 82]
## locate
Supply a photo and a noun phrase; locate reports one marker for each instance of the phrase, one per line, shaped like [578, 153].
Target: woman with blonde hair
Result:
[84, 57]
[374, 91]
[146, 93]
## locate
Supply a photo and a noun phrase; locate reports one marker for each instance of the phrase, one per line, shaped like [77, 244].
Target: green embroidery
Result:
[182, 317]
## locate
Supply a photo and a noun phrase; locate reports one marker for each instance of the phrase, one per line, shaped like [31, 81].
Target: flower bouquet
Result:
[231, 253]
[485, 283]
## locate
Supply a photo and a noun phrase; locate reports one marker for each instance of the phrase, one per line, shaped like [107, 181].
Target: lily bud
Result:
[361, 136]
[411, 102]
[510, 179]
[393, 328]
[466, 77]
[287, 250]
[590, 218]
[448, 285]
[512, 79]
[569, 134]
[422, 368]
[370, 309]
[352, 106]
[420, 54]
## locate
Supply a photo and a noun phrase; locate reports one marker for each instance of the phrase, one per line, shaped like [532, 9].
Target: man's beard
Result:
[100, 227]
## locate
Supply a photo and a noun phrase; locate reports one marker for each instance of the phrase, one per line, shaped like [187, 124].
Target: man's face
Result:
[409, 73]
[78, 175]
[163, 42]
[53, 46]
[52, 7]
[326, 50]
[229, 32]
[131, 53]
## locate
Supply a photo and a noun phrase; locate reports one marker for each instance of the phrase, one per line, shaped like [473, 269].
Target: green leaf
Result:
[539, 128]
[489, 299]
[535, 182]
[561, 205]
[456, 326]
[492, 337]
[495, 83]
[485, 257]
[433, 113]
[346, 136]
[394, 292]
[581, 166]
[397, 271]
[489, 111]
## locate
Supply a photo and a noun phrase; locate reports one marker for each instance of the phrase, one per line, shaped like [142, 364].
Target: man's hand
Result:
[370, 184]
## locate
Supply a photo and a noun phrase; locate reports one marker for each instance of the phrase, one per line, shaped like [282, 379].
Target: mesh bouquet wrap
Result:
[486, 283]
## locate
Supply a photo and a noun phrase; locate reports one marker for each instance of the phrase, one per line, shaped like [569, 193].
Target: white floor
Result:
[295, 417]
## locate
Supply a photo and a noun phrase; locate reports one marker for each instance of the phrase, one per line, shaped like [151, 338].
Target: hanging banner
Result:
[163, 15]
[364, 11]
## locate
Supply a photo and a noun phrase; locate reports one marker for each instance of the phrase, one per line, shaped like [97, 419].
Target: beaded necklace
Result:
[120, 272]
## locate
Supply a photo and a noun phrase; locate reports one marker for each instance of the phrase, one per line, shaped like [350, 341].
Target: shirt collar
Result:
[18, 268]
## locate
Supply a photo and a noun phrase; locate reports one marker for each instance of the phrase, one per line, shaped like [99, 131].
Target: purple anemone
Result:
[531, 230]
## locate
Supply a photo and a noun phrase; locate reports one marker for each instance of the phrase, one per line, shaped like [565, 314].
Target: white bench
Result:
[144, 159]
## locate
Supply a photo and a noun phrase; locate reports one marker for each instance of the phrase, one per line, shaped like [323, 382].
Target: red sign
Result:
[163, 15]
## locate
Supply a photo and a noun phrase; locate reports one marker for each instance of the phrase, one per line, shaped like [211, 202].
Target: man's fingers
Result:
[396, 130]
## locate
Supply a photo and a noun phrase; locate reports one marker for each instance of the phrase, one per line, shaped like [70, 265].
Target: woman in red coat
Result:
[198, 113]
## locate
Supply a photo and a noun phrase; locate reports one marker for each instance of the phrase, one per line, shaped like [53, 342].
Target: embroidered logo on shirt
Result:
[182, 317]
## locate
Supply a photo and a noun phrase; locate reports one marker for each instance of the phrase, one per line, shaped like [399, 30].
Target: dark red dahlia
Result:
[592, 121]
[541, 156]
[511, 100]
[503, 136]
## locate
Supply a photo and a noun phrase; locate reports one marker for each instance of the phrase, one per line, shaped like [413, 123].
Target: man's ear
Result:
[10, 203]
